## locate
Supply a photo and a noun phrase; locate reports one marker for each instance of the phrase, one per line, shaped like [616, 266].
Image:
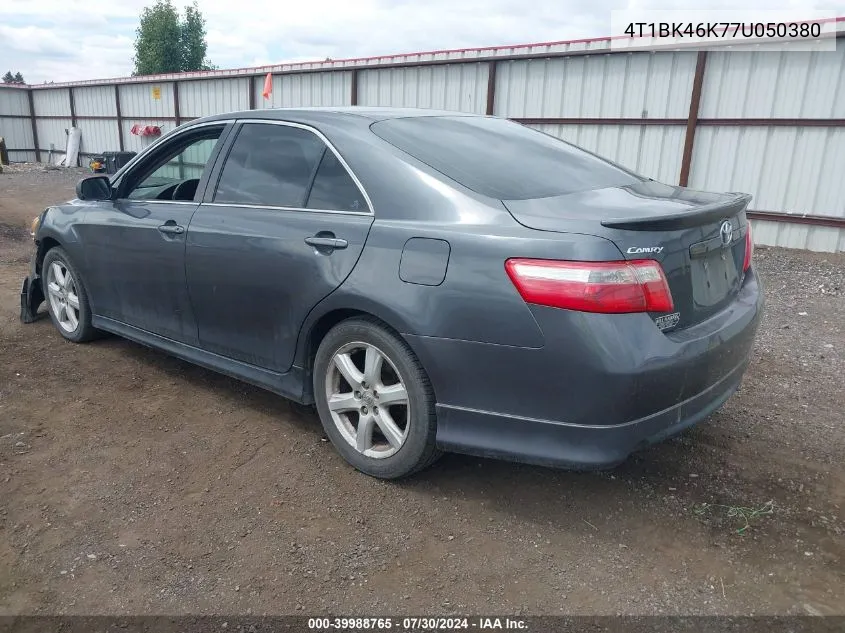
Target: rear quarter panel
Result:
[476, 300]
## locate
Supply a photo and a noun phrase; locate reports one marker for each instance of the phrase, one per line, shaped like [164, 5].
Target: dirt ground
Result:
[134, 483]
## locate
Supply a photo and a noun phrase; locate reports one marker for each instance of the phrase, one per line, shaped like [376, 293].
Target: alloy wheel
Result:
[63, 296]
[367, 400]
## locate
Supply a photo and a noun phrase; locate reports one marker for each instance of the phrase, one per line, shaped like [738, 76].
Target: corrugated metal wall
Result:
[797, 169]
[150, 101]
[311, 89]
[770, 84]
[95, 101]
[203, 98]
[135, 143]
[630, 85]
[52, 133]
[621, 86]
[14, 102]
[631, 107]
[461, 87]
[650, 150]
[146, 104]
[826, 239]
[18, 133]
[792, 168]
[97, 136]
[52, 102]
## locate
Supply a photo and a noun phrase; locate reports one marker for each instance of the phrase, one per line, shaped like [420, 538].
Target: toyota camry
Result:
[431, 281]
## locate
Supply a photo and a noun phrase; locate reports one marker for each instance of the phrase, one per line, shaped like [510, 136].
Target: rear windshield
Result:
[499, 158]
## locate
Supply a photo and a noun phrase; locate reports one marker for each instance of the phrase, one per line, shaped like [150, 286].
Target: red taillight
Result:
[612, 287]
[749, 247]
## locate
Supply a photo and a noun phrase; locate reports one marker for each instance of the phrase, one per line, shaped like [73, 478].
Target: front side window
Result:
[270, 165]
[176, 174]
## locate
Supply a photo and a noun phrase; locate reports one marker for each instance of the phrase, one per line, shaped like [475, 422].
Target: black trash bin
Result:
[116, 160]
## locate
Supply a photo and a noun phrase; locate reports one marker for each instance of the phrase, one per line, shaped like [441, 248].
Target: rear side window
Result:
[270, 165]
[499, 158]
[334, 188]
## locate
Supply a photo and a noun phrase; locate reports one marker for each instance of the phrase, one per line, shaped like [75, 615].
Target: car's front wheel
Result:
[67, 300]
[375, 400]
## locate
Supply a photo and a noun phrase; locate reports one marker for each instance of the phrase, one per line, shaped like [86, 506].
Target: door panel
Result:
[137, 272]
[134, 246]
[251, 275]
[253, 278]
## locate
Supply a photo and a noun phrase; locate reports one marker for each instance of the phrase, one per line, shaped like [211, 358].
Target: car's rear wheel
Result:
[375, 400]
[67, 300]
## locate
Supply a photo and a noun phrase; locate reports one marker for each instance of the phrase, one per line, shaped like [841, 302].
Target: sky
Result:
[67, 40]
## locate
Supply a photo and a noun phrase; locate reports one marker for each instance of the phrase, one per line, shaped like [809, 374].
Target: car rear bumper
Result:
[601, 387]
[552, 443]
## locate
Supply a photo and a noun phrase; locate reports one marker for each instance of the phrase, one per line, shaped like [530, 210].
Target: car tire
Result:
[374, 431]
[63, 287]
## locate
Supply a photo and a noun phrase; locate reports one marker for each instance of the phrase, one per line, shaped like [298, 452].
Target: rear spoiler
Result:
[695, 216]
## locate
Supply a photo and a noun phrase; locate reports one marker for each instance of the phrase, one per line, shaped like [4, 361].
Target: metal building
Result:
[768, 123]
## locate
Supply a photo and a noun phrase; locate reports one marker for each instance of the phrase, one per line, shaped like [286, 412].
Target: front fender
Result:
[59, 226]
[61, 223]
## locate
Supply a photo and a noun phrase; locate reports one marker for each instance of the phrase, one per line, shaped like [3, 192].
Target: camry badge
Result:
[635, 250]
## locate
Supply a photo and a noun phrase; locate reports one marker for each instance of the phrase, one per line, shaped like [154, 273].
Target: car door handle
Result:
[326, 242]
[173, 229]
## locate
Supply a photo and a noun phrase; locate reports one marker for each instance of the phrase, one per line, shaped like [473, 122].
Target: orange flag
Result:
[268, 86]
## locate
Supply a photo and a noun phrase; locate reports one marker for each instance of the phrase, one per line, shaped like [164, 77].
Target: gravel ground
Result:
[134, 483]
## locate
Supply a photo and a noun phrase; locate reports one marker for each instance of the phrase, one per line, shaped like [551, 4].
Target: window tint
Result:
[334, 188]
[184, 162]
[269, 165]
[499, 158]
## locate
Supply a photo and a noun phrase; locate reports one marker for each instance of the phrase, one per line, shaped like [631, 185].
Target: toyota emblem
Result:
[726, 232]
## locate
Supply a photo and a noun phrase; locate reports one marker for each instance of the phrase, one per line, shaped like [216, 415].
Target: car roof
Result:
[364, 114]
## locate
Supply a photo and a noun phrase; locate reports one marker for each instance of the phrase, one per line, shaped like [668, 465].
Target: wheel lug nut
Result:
[364, 410]
[375, 409]
[357, 394]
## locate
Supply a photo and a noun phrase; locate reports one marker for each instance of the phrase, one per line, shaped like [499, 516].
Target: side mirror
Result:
[94, 188]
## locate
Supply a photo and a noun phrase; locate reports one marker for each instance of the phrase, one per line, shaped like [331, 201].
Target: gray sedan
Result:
[429, 280]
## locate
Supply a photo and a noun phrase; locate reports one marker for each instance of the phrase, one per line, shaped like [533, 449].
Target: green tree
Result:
[193, 40]
[9, 78]
[157, 45]
[165, 43]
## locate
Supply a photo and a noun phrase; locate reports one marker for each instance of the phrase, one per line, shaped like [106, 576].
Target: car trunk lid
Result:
[698, 237]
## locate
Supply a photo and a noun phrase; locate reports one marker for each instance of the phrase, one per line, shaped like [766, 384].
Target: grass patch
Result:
[744, 514]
